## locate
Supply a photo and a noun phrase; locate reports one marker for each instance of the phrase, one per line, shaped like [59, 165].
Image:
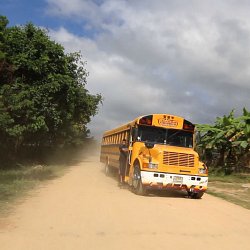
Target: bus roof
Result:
[161, 120]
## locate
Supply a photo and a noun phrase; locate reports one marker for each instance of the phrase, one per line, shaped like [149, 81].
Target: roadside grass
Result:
[234, 188]
[15, 183]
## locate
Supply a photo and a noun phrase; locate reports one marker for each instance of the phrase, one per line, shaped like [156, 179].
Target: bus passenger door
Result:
[132, 137]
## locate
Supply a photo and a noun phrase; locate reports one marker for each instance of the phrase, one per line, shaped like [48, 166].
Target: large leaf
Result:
[229, 134]
[244, 144]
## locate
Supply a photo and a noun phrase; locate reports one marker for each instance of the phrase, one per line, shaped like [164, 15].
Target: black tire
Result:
[137, 185]
[195, 195]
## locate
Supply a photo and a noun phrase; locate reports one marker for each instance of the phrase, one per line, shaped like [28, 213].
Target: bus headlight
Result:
[202, 168]
[202, 171]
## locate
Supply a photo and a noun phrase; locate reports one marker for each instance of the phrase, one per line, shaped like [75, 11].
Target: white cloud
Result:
[185, 57]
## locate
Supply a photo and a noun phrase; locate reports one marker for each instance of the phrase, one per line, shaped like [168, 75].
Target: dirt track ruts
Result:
[84, 209]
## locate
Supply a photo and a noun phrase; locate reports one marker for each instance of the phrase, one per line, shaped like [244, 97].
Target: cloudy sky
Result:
[185, 57]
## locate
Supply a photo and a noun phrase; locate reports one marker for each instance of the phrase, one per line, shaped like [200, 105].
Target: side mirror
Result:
[149, 145]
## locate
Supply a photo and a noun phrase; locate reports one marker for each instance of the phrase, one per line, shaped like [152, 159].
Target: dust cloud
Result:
[84, 209]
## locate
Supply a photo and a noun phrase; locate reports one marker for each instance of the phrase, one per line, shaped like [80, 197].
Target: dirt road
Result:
[86, 210]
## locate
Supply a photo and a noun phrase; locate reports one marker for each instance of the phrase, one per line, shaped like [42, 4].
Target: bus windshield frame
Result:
[165, 136]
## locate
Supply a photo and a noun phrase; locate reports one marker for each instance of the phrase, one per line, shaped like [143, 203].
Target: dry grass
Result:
[15, 183]
[233, 188]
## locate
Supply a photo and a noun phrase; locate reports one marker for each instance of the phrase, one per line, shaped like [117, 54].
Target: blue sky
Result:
[37, 12]
[22, 11]
[185, 57]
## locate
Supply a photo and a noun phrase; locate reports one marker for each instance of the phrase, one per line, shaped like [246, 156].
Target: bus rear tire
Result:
[137, 185]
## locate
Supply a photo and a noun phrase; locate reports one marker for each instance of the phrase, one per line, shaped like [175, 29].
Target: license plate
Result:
[178, 179]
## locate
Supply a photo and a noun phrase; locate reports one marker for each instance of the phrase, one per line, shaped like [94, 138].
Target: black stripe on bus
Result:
[111, 145]
[172, 173]
[110, 153]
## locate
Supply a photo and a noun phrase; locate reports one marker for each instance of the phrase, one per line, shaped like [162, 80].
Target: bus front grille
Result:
[178, 159]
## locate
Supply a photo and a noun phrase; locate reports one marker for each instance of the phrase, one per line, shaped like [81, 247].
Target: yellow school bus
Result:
[161, 154]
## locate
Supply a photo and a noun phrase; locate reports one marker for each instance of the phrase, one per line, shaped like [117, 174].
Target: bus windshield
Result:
[172, 137]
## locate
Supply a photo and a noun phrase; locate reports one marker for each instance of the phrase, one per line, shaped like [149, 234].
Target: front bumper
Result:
[158, 180]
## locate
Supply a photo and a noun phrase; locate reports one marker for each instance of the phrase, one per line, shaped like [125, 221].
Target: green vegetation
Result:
[232, 178]
[44, 108]
[234, 188]
[43, 100]
[15, 183]
[226, 144]
[225, 148]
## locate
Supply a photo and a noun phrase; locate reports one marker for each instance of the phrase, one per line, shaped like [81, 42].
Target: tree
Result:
[229, 137]
[43, 95]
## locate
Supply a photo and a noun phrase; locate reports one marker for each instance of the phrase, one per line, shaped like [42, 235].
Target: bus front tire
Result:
[137, 185]
[193, 195]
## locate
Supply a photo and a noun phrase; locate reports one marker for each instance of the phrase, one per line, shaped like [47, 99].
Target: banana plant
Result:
[229, 137]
